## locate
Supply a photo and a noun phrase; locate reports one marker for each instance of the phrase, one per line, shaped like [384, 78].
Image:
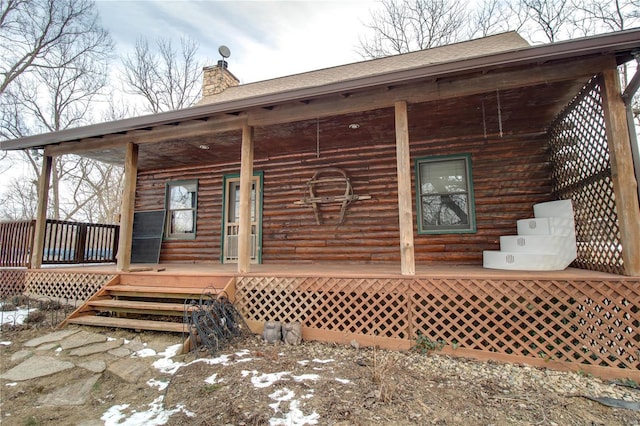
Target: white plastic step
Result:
[538, 244]
[524, 261]
[560, 226]
[546, 242]
[558, 208]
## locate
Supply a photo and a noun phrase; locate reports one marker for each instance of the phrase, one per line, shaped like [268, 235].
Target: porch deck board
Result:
[342, 270]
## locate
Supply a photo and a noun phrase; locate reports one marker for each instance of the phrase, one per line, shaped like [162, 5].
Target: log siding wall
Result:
[510, 174]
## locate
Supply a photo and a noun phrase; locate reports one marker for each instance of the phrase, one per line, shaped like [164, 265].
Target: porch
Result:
[574, 319]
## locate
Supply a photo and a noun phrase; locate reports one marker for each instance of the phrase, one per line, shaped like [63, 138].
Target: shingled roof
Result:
[445, 54]
[507, 49]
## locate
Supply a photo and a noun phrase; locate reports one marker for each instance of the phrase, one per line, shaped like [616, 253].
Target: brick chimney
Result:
[217, 78]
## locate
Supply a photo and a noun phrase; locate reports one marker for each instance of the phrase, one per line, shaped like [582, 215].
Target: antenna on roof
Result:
[225, 53]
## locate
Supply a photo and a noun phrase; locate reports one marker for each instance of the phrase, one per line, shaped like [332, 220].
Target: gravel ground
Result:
[250, 382]
[338, 385]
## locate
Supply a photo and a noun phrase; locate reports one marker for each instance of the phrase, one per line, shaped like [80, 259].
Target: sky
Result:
[267, 39]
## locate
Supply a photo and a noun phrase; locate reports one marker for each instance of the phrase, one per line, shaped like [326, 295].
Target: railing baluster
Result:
[51, 243]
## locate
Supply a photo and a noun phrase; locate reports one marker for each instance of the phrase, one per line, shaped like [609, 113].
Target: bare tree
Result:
[550, 18]
[57, 97]
[400, 26]
[32, 30]
[17, 201]
[98, 195]
[408, 25]
[492, 17]
[597, 16]
[51, 86]
[166, 79]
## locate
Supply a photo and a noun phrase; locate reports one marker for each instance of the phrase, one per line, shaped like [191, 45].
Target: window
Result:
[444, 192]
[181, 204]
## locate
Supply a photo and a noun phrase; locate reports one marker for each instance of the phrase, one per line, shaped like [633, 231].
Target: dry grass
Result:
[383, 366]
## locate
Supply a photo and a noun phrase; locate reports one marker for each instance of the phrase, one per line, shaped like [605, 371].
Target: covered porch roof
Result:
[491, 85]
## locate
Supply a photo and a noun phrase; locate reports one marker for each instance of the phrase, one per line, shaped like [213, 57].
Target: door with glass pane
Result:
[231, 218]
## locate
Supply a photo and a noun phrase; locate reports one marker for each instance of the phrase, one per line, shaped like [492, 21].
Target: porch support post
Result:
[246, 174]
[41, 215]
[128, 205]
[405, 214]
[622, 171]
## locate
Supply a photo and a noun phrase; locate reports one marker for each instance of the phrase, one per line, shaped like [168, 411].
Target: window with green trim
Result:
[181, 206]
[444, 191]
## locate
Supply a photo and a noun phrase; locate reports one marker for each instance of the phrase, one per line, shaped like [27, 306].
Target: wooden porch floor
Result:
[341, 270]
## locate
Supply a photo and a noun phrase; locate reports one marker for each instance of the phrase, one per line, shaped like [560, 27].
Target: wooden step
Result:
[139, 307]
[175, 280]
[98, 321]
[156, 292]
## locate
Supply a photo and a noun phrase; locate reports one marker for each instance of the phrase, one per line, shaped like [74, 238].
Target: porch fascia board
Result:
[186, 129]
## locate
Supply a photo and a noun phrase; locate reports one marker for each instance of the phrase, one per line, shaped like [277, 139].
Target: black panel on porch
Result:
[147, 236]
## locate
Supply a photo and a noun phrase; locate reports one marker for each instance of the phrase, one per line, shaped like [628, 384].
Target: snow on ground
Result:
[213, 379]
[293, 417]
[286, 403]
[145, 353]
[160, 384]
[155, 415]
[15, 317]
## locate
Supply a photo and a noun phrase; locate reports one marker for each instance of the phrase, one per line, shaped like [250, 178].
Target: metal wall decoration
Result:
[330, 179]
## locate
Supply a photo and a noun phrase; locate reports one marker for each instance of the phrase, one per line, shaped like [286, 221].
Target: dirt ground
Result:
[253, 383]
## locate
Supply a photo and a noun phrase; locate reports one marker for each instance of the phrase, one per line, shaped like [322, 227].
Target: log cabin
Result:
[360, 200]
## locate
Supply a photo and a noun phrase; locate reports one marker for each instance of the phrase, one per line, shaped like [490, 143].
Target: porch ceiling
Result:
[514, 111]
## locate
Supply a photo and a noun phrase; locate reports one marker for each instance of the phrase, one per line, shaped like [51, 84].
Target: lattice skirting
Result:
[12, 282]
[66, 286]
[588, 325]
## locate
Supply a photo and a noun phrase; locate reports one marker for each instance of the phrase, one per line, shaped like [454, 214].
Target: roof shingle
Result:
[459, 51]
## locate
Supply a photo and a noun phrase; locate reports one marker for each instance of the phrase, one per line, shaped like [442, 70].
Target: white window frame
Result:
[192, 187]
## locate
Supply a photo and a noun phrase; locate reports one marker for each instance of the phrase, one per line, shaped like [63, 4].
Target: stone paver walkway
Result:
[94, 353]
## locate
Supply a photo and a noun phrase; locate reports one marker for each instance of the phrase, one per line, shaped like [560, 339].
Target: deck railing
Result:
[16, 242]
[75, 242]
[65, 242]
